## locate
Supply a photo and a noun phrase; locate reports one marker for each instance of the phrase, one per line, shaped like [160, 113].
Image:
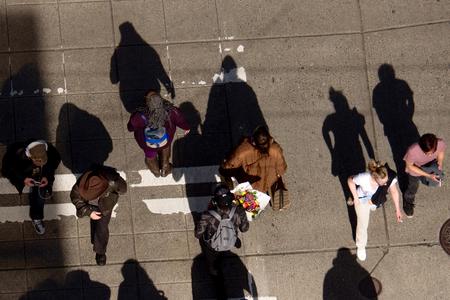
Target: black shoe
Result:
[100, 259]
[38, 226]
[409, 210]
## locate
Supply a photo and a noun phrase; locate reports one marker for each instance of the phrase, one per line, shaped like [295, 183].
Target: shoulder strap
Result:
[231, 214]
[215, 214]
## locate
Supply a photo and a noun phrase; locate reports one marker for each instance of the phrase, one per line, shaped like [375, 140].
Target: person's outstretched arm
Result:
[395, 195]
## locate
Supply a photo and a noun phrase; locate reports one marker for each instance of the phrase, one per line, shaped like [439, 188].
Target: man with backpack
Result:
[217, 228]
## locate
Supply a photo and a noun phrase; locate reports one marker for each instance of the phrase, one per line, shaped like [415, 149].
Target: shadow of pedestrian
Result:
[345, 279]
[25, 114]
[193, 151]
[234, 280]
[232, 106]
[82, 140]
[341, 131]
[137, 284]
[137, 68]
[394, 103]
[75, 285]
[232, 113]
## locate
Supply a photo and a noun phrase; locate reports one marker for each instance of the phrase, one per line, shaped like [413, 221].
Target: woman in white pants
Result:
[363, 186]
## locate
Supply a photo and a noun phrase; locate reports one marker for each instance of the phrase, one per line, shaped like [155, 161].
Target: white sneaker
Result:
[38, 226]
[361, 254]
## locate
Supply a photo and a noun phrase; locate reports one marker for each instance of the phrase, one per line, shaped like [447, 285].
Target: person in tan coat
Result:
[258, 159]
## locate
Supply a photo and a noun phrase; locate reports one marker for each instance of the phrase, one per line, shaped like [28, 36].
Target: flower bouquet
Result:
[251, 200]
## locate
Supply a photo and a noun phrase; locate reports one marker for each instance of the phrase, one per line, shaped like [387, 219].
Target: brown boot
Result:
[153, 165]
[166, 166]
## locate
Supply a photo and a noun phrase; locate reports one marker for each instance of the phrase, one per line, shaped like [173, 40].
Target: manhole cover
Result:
[370, 287]
[444, 236]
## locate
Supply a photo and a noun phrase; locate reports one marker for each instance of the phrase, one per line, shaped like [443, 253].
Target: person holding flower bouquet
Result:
[211, 232]
[258, 160]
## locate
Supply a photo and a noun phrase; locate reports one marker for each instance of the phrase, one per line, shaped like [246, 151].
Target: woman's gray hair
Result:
[156, 110]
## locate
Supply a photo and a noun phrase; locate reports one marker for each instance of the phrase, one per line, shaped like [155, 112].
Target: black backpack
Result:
[379, 198]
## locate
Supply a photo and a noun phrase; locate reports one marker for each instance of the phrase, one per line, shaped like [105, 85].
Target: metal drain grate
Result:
[444, 236]
[370, 287]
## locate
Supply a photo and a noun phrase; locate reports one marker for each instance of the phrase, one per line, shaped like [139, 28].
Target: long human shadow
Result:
[24, 115]
[394, 103]
[232, 281]
[137, 284]
[341, 132]
[137, 68]
[345, 279]
[82, 139]
[233, 107]
[76, 285]
[232, 113]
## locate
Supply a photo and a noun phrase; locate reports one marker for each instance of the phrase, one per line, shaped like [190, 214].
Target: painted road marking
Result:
[191, 175]
[184, 205]
[65, 182]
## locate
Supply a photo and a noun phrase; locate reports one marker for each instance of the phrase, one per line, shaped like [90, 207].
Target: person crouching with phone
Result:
[95, 194]
[32, 164]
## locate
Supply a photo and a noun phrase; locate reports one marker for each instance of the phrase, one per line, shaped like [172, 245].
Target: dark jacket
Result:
[17, 166]
[106, 202]
[208, 225]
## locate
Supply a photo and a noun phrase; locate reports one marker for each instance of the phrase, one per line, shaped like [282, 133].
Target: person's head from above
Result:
[37, 152]
[223, 197]
[156, 109]
[93, 184]
[428, 143]
[378, 171]
[261, 139]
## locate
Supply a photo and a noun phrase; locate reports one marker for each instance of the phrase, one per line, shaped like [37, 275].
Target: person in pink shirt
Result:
[154, 127]
[423, 162]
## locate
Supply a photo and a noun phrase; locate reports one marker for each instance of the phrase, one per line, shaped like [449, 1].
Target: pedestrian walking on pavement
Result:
[423, 162]
[218, 227]
[369, 191]
[32, 164]
[154, 127]
[259, 160]
[95, 194]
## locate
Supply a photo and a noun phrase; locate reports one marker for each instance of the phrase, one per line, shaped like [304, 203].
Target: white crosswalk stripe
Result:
[65, 182]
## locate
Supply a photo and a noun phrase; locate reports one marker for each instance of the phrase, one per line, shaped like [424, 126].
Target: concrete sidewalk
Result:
[73, 71]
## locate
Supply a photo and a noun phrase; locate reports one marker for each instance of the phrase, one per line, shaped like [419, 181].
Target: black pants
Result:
[100, 234]
[410, 194]
[37, 201]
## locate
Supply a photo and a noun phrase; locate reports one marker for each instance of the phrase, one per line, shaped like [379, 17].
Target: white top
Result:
[364, 189]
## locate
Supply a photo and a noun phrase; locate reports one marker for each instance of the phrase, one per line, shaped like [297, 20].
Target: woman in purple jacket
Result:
[154, 127]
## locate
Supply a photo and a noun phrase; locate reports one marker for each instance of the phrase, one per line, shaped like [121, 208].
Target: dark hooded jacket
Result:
[17, 166]
[107, 201]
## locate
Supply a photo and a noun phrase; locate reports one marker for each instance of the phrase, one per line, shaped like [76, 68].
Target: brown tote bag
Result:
[279, 195]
